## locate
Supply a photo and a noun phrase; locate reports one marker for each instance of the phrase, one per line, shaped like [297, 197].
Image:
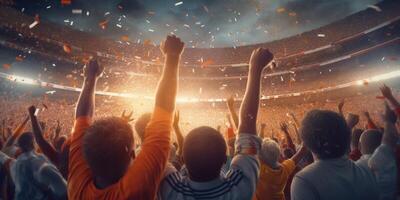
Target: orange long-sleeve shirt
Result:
[141, 179]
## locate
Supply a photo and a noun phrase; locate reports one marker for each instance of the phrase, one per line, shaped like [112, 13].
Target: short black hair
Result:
[326, 134]
[26, 141]
[107, 147]
[204, 153]
[141, 124]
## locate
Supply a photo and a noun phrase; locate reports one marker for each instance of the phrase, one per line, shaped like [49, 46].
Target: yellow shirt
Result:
[272, 182]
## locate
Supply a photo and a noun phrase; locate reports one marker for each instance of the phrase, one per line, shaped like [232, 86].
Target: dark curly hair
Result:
[326, 134]
[108, 147]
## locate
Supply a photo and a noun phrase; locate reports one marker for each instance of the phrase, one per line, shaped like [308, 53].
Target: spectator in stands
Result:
[332, 175]
[204, 152]
[33, 174]
[58, 156]
[379, 155]
[140, 127]
[101, 153]
[273, 174]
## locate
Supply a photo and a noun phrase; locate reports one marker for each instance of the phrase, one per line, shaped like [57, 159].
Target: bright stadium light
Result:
[380, 77]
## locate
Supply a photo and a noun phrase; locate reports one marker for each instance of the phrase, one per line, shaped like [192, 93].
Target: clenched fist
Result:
[260, 58]
[172, 46]
[93, 69]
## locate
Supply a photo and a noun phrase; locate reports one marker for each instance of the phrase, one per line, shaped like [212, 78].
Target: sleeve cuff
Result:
[79, 124]
[161, 114]
[249, 144]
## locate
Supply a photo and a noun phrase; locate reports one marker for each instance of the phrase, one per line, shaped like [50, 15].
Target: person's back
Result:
[274, 175]
[25, 173]
[333, 179]
[204, 152]
[238, 183]
[333, 175]
[33, 175]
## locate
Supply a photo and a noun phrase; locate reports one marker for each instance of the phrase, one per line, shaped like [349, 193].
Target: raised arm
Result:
[167, 87]
[370, 123]
[230, 102]
[43, 144]
[150, 164]
[387, 93]
[390, 135]
[10, 141]
[178, 133]
[57, 132]
[262, 130]
[85, 106]
[285, 130]
[340, 107]
[260, 58]
[299, 154]
[352, 120]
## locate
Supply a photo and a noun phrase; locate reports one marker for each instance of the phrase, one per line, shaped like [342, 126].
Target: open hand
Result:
[352, 120]
[284, 127]
[128, 118]
[386, 91]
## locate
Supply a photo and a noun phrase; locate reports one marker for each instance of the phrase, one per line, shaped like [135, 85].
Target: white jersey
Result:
[239, 183]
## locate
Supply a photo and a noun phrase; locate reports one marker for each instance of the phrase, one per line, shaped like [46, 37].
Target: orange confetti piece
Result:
[292, 14]
[67, 48]
[6, 66]
[103, 24]
[147, 42]
[280, 10]
[125, 38]
[380, 97]
[19, 58]
[65, 2]
[206, 63]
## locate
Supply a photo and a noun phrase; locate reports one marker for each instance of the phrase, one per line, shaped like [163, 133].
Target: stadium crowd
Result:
[317, 154]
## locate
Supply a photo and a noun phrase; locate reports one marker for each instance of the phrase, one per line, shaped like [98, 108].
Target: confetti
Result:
[49, 92]
[19, 58]
[65, 2]
[380, 97]
[6, 66]
[147, 42]
[280, 10]
[76, 11]
[375, 8]
[125, 38]
[31, 26]
[67, 48]
[179, 3]
[103, 24]
[321, 35]
[205, 8]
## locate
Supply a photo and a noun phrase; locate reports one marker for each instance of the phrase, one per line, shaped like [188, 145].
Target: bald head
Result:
[204, 153]
[141, 123]
[370, 140]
